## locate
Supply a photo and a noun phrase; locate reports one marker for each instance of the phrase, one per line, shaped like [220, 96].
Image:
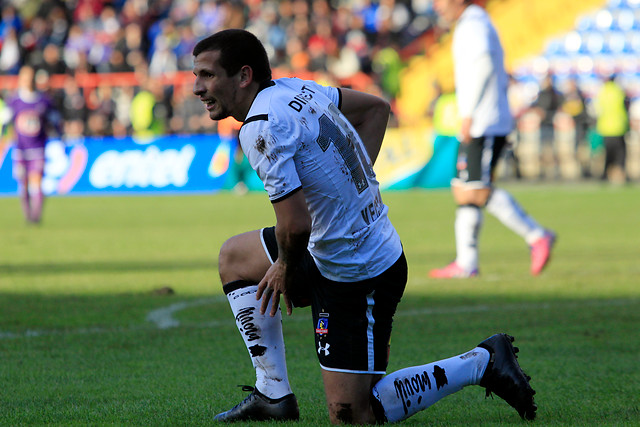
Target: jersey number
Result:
[330, 133]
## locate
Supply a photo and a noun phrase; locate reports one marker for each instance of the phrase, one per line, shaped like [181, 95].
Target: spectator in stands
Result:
[43, 85]
[123, 35]
[122, 124]
[612, 109]
[11, 52]
[77, 45]
[164, 60]
[188, 117]
[118, 64]
[102, 111]
[130, 42]
[52, 61]
[9, 18]
[387, 65]
[59, 19]
[575, 105]
[74, 108]
[141, 115]
[546, 106]
[150, 108]
[186, 41]
[441, 168]
[107, 26]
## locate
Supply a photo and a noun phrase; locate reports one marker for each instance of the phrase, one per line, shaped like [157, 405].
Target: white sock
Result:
[262, 336]
[467, 228]
[408, 391]
[508, 211]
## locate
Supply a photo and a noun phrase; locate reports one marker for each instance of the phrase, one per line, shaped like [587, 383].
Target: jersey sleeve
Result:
[330, 92]
[471, 47]
[472, 42]
[270, 153]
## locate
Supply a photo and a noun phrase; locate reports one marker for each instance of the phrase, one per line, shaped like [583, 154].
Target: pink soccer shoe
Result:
[541, 252]
[452, 271]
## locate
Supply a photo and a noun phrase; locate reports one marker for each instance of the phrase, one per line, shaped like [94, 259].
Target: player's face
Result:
[25, 78]
[217, 91]
[449, 10]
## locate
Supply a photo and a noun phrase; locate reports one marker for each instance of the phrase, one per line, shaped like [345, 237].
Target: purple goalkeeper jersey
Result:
[30, 120]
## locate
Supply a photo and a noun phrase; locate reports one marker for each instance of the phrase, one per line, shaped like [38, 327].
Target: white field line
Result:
[163, 318]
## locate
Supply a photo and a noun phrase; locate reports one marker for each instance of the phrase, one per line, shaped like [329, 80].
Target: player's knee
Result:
[472, 196]
[341, 413]
[34, 181]
[482, 199]
[34, 186]
[19, 172]
[228, 259]
[350, 413]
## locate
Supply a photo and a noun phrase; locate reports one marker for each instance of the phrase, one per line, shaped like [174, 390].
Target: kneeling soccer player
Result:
[333, 246]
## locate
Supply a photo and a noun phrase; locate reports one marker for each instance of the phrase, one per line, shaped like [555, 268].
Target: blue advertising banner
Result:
[195, 163]
[209, 163]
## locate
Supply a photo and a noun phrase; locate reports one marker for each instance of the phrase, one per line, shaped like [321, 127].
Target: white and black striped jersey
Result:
[483, 94]
[295, 137]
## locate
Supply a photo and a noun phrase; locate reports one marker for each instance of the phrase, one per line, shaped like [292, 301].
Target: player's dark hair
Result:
[237, 48]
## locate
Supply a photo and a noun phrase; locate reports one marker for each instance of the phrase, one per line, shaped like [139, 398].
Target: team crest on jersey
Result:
[322, 327]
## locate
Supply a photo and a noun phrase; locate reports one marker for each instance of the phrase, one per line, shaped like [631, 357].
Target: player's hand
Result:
[272, 285]
[465, 130]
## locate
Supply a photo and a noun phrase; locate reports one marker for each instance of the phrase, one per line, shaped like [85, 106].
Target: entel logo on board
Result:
[138, 168]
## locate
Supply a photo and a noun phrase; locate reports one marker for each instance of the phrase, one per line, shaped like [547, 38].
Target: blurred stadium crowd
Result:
[339, 42]
[123, 67]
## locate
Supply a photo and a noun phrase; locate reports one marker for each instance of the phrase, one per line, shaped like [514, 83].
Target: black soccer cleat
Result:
[505, 378]
[258, 407]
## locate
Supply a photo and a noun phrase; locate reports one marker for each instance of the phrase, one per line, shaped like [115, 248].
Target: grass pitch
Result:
[86, 339]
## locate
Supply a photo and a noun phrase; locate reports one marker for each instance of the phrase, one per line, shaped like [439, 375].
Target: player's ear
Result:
[246, 76]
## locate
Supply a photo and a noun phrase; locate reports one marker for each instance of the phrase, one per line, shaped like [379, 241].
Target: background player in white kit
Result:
[481, 88]
[333, 246]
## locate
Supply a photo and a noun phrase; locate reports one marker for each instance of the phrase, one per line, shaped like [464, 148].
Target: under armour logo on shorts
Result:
[325, 348]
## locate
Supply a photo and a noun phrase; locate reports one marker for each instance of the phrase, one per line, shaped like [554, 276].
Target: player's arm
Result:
[293, 228]
[369, 115]
[472, 90]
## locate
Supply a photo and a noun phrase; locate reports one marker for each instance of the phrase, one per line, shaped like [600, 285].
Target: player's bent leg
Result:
[243, 257]
[468, 223]
[540, 240]
[348, 397]
[408, 391]
[20, 175]
[242, 264]
[511, 214]
[36, 195]
[272, 398]
[467, 226]
[492, 365]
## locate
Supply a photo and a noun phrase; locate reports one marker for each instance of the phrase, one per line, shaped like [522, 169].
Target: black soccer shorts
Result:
[351, 321]
[478, 159]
